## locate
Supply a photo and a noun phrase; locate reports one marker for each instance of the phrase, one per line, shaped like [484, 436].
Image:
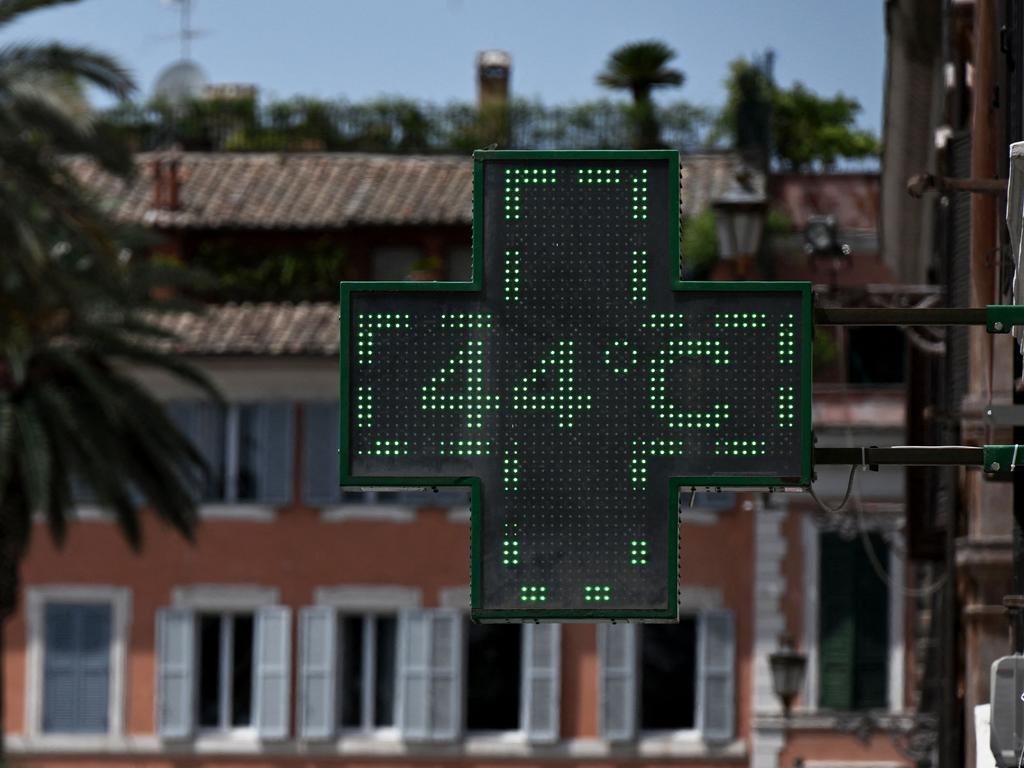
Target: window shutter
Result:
[446, 675]
[94, 670]
[837, 626]
[271, 452]
[203, 424]
[541, 681]
[871, 635]
[617, 651]
[716, 690]
[60, 668]
[320, 481]
[414, 628]
[430, 675]
[175, 635]
[273, 671]
[317, 665]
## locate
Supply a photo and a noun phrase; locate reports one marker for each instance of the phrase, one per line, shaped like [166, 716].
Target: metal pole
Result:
[896, 316]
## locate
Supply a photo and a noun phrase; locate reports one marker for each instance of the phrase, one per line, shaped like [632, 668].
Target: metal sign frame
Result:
[475, 284]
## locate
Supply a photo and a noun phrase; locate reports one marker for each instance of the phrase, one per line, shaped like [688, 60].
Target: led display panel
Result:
[576, 385]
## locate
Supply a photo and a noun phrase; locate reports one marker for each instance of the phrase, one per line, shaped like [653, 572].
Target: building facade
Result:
[311, 625]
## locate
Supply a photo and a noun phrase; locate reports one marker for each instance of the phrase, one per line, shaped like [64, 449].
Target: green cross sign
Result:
[575, 385]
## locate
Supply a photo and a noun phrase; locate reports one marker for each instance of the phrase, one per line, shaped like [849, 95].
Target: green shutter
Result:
[871, 653]
[854, 625]
[836, 632]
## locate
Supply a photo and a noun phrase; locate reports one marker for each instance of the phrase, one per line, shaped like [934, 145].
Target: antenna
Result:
[186, 32]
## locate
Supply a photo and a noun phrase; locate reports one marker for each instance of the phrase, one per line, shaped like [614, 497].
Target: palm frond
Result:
[34, 458]
[20, 60]
[12, 9]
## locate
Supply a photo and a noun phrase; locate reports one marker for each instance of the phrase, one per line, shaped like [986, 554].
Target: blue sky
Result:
[425, 49]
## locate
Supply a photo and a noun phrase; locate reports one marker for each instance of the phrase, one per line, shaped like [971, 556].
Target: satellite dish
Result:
[181, 82]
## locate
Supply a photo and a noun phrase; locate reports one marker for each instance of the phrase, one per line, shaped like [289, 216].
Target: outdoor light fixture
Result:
[821, 244]
[788, 666]
[739, 220]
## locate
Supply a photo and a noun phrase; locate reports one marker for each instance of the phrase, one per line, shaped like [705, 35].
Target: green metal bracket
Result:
[1001, 459]
[997, 318]
[993, 459]
[1000, 318]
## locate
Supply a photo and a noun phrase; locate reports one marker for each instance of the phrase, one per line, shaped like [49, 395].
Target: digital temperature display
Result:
[576, 385]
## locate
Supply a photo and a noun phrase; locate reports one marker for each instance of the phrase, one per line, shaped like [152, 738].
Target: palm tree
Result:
[640, 68]
[74, 313]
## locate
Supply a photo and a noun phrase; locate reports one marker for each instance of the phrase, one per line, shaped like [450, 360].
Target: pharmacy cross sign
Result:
[575, 385]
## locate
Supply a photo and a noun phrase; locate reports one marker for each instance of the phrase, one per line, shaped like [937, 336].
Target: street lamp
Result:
[821, 244]
[739, 221]
[788, 666]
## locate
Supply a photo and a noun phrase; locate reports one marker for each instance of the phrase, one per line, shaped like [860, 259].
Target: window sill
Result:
[379, 513]
[69, 742]
[384, 743]
[832, 720]
[264, 513]
[261, 513]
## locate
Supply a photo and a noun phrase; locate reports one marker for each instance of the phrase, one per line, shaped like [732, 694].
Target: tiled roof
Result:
[253, 329]
[236, 190]
[702, 178]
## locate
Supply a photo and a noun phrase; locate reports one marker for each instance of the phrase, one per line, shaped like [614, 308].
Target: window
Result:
[248, 448]
[320, 479]
[395, 263]
[225, 670]
[372, 671]
[668, 678]
[875, 355]
[494, 656]
[460, 264]
[76, 667]
[368, 652]
[853, 624]
[75, 661]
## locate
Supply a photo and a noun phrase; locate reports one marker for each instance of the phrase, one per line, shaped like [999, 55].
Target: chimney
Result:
[158, 185]
[166, 184]
[493, 69]
[173, 183]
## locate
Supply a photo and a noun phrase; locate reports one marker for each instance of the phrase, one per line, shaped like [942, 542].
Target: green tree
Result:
[640, 68]
[794, 127]
[73, 311]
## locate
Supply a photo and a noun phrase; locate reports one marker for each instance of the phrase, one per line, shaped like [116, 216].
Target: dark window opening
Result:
[368, 648]
[352, 671]
[241, 671]
[387, 645]
[668, 676]
[875, 355]
[225, 645]
[492, 700]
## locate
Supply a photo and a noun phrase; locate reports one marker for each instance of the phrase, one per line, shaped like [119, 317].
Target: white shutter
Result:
[414, 674]
[430, 675]
[542, 655]
[317, 655]
[446, 675]
[716, 698]
[320, 480]
[175, 665]
[617, 651]
[272, 671]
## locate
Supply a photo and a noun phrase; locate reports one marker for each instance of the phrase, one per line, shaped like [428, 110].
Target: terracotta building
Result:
[307, 625]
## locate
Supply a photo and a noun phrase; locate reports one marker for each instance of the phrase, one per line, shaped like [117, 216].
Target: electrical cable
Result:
[846, 497]
[879, 569]
[869, 549]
